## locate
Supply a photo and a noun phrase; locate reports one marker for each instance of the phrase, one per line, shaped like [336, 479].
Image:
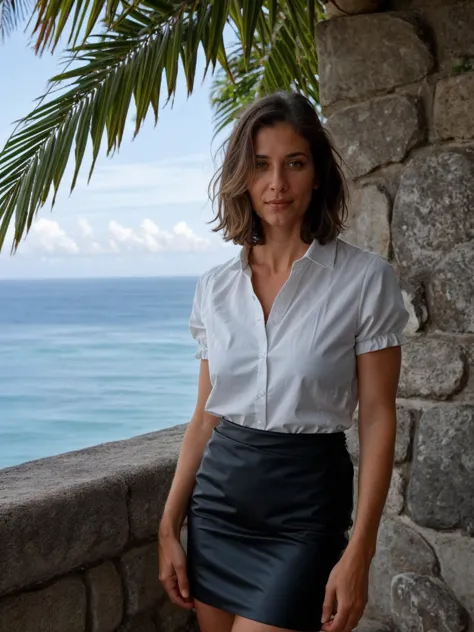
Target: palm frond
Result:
[81, 17]
[230, 94]
[95, 98]
[292, 62]
[283, 57]
[12, 14]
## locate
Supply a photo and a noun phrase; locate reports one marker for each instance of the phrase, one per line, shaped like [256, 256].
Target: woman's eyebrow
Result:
[294, 154]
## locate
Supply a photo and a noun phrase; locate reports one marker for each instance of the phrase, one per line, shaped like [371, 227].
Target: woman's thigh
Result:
[212, 619]
[247, 625]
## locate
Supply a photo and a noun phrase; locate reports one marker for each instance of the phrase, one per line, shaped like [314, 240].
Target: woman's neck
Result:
[279, 252]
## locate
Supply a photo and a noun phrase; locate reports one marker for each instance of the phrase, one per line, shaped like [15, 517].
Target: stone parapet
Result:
[78, 548]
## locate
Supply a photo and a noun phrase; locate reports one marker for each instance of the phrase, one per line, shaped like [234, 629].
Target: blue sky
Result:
[145, 211]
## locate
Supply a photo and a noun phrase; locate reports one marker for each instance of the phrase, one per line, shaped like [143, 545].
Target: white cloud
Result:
[85, 227]
[50, 238]
[149, 237]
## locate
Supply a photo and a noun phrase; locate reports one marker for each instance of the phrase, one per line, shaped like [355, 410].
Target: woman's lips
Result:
[278, 203]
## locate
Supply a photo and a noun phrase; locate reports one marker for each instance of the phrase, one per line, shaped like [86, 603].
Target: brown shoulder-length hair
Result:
[325, 217]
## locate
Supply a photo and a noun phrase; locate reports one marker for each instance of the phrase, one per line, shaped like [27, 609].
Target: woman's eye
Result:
[260, 165]
[297, 163]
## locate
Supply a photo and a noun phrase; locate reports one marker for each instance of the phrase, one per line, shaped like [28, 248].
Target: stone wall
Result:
[78, 548]
[397, 88]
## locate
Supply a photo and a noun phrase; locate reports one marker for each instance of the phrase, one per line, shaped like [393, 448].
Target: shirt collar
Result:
[317, 253]
[324, 255]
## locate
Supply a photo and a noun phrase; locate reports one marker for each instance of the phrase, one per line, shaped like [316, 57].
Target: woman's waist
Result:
[319, 422]
[281, 441]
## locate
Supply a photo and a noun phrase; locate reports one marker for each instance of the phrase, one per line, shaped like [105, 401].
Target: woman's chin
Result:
[282, 220]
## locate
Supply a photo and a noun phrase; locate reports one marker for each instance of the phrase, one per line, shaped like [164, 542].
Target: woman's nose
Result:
[278, 181]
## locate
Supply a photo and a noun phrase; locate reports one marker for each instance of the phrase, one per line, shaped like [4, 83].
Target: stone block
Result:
[432, 368]
[399, 549]
[423, 604]
[440, 491]
[147, 465]
[419, 5]
[52, 530]
[405, 424]
[140, 623]
[454, 107]
[456, 557]
[352, 7]
[364, 55]
[396, 493]
[452, 24]
[46, 505]
[140, 576]
[371, 625]
[415, 301]
[60, 607]
[451, 290]
[376, 133]
[432, 211]
[368, 224]
[105, 598]
[171, 618]
[149, 489]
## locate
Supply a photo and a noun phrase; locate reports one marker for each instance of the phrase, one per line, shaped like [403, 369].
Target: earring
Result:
[255, 231]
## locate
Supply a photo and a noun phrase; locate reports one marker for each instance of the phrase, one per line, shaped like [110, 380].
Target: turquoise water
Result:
[88, 361]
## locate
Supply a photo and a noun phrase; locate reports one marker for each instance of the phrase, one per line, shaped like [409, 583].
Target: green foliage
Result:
[465, 64]
[12, 13]
[282, 57]
[126, 55]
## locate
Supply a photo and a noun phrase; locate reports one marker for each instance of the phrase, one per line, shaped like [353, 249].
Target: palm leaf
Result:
[81, 17]
[95, 99]
[283, 57]
[12, 14]
[230, 95]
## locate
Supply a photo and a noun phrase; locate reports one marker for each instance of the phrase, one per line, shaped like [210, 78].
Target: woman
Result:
[291, 333]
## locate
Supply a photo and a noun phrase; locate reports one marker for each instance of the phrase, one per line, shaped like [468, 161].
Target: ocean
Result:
[87, 361]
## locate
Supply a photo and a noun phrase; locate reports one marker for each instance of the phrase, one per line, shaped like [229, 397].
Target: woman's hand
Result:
[172, 570]
[346, 592]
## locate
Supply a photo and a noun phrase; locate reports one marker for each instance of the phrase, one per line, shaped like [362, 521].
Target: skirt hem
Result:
[238, 611]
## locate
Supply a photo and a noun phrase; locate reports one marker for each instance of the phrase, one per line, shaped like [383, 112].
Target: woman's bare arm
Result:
[171, 556]
[195, 439]
[378, 374]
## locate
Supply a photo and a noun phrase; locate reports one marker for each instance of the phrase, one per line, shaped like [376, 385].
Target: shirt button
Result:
[261, 393]
[262, 355]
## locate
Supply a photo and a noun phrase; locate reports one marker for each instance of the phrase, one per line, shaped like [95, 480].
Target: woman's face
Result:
[284, 179]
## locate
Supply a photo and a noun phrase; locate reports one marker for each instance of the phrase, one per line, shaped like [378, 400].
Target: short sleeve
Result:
[382, 313]
[196, 324]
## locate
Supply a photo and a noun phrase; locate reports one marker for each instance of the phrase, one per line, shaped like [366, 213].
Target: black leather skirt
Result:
[268, 519]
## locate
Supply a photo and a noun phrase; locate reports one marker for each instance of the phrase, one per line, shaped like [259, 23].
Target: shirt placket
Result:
[261, 395]
[282, 302]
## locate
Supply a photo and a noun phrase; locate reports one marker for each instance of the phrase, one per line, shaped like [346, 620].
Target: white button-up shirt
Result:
[297, 371]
